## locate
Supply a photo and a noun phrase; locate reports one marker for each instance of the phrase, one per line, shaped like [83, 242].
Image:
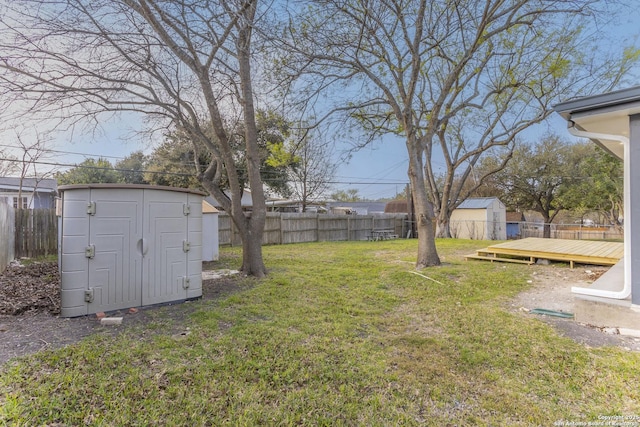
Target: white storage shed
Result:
[483, 218]
[210, 240]
[125, 246]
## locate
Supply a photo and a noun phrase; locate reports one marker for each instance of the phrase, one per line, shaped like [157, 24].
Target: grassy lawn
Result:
[338, 334]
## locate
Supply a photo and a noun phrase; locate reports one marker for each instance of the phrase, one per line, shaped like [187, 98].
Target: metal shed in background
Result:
[125, 246]
[483, 218]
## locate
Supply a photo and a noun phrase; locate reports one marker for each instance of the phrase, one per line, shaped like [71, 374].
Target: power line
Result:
[346, 181]
[50, 150]
[81, 166]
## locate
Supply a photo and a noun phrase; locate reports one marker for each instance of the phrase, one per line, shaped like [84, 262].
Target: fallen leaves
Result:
[33, 287]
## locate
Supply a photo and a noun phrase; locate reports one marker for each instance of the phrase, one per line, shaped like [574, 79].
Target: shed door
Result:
[165, 234]
[115, 269]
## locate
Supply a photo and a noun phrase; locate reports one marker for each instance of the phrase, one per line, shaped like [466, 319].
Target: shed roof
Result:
[63, 188]
[208, 207]
[478, 203]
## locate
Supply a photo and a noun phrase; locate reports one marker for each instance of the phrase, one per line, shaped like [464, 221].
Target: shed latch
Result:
[186, 246]
[91, 208]
[186, 282]
[186, 209]
[88, 295]
[90, 251]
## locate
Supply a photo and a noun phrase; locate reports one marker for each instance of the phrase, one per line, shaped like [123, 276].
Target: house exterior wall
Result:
[35, 200]
[632, 210]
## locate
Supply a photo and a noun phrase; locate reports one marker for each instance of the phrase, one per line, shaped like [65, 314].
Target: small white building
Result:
[210, 239]
[482, 218]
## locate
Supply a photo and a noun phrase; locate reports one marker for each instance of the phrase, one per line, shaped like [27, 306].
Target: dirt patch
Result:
[31, 288]
[551, 289]
[30, 304]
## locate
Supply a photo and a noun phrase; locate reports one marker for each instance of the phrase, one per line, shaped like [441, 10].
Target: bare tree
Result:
[181, 64]
[311, 174]
[31, 154]
[457, 79]
[8, 163]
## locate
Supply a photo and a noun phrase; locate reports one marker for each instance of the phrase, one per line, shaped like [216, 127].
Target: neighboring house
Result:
[482, 218]
[359, 208]
[396, 206]
[514, 224]
[246, 201]
[34, 193]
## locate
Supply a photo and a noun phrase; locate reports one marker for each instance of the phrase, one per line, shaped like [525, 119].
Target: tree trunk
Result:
[425, 217]
[546, 228]
[252, 262]
[443, 227]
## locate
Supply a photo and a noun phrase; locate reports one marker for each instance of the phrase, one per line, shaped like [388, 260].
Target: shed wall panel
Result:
[165, 263]
[147, 248]
[115, 270]
[74, 266]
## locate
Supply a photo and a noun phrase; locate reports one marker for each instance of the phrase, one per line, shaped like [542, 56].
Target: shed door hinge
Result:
[186, 246]
[91, 208]
[88, 295]
[186, 209]
[186, 282]
[90, 251]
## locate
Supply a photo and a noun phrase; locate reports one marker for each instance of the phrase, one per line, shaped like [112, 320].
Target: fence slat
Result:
[284, 228]
[36, 233]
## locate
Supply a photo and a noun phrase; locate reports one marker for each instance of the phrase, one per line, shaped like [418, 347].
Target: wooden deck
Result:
[527, 251]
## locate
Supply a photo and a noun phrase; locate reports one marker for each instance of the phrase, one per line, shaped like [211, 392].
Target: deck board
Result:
[580, 251]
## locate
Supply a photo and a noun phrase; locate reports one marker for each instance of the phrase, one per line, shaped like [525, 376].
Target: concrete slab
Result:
[607, 312]
[217, 274]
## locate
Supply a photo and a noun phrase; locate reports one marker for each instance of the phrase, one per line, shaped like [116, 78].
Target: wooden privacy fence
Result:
[573, 232]
[36, 233]
[284, 228]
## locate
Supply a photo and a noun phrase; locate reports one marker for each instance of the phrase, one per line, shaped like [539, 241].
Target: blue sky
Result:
[379, 170]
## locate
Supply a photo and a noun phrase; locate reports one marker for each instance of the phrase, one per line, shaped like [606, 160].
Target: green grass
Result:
[48, 258]
[337, 334]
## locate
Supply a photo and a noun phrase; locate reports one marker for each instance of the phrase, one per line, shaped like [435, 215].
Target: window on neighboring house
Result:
[24, 203]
